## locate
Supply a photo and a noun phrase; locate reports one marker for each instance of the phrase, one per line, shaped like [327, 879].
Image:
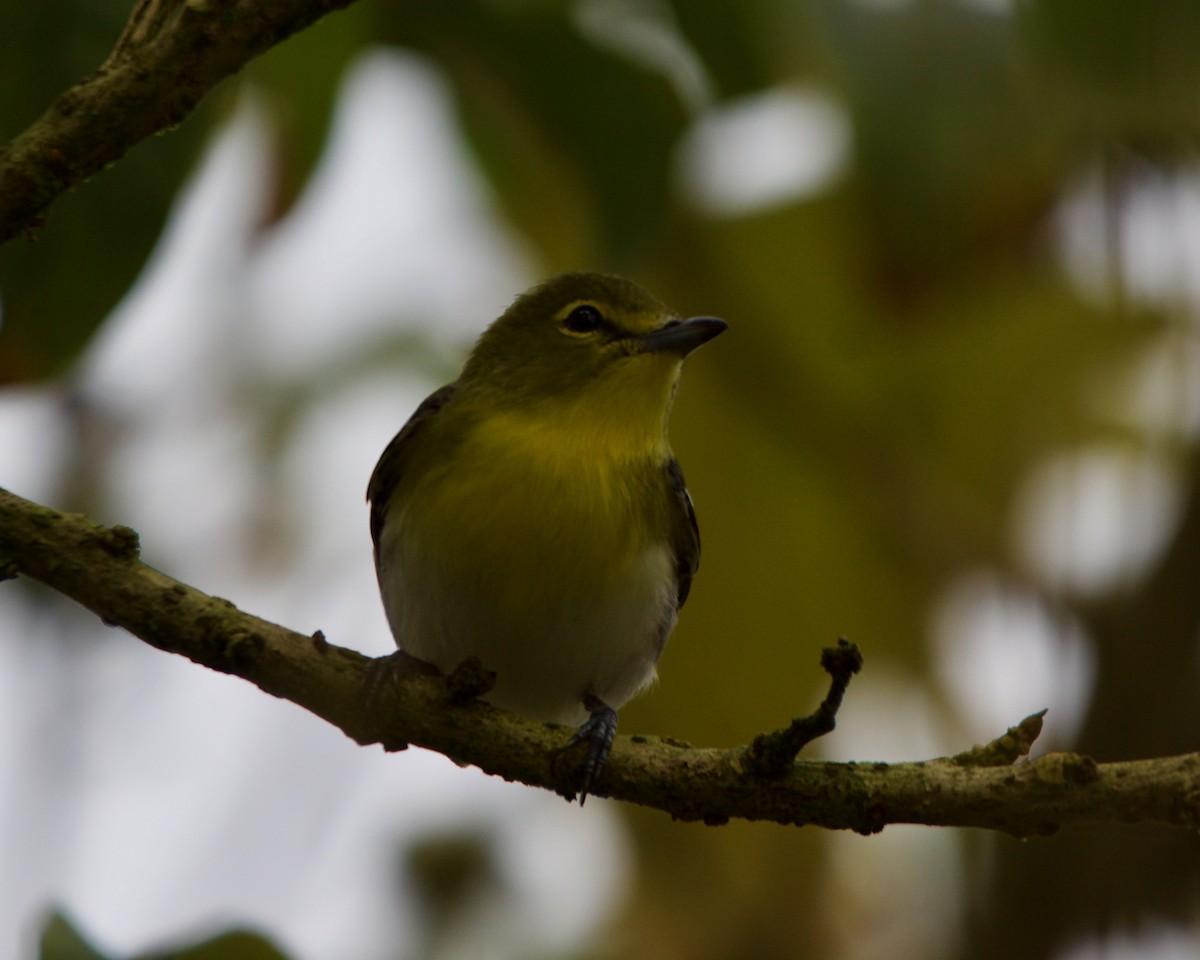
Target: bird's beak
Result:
[682, 336]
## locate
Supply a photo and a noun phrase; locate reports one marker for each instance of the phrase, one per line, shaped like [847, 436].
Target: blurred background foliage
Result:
[962, 363]
[62, 941]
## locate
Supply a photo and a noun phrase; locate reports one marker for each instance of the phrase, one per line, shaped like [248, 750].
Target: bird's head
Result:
[586, 337]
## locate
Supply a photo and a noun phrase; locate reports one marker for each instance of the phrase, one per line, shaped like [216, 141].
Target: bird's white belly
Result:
[529, 593]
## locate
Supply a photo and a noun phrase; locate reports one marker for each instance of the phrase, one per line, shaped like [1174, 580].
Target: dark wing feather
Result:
[685, 534]
[392, 463]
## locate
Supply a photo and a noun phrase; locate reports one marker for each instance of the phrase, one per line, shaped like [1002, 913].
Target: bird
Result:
[532, 514]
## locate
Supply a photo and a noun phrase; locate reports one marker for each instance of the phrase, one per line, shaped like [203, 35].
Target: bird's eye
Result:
[583, 319]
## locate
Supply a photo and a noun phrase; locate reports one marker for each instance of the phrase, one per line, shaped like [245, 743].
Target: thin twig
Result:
[771, 755]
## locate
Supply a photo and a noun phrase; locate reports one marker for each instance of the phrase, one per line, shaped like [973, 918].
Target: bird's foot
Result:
[597, 731]
[385, 672]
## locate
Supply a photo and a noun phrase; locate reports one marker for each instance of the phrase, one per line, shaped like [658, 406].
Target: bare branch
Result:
[171, 53]
[773, 754]
[984, 787]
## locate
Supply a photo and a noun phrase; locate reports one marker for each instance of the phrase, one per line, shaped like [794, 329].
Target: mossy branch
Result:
[170, 54]
[989, 786]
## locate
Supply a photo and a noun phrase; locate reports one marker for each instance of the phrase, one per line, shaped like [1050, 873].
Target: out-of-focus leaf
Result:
[449, 872]
[61, 941]
[993, 377]
[576, 138]
[734, 41]
[57, 286]
[234, 945]
[952, 152]
[1123, 68]
[301, 81]
[47, 46]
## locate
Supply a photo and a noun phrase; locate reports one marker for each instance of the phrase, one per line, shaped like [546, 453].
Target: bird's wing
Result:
[394, 460]
[685, 534]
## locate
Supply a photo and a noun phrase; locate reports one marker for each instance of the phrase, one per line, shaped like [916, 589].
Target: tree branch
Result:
[170, 54]
[988, 787]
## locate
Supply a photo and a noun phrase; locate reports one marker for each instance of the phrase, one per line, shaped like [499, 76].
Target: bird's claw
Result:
[598, 731]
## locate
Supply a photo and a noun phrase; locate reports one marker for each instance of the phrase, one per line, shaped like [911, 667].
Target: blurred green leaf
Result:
[61, 941]
[1120, 69]
[577, 139]
[301, 80]
[234, 945]
[752, 45]
[448, 872]
[58, 285]
[953, 153]
[47, 46]
[727, 38]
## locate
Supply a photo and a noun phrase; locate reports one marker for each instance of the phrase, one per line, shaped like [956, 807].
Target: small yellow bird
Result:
[531, 513]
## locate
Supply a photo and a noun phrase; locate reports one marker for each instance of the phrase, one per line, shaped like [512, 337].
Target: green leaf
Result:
[576, 138]
[300, 79]
[234, 945]
[61, 941]
[59, 284]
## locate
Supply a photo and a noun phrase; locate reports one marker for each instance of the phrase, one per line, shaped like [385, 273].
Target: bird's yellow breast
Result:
[531, 551]
[559, 491]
